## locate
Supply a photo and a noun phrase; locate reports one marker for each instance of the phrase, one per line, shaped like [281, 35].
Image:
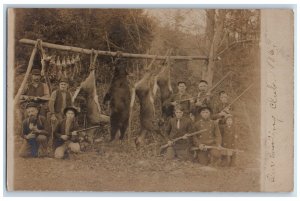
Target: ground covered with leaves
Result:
[120, 167]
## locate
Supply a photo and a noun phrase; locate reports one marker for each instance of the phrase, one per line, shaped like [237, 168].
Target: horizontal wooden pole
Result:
[108, 53]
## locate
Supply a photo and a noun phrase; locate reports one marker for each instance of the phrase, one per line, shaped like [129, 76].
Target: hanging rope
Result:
[45, 62]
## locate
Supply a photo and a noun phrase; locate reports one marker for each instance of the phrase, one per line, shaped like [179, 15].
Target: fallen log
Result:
[109, 53]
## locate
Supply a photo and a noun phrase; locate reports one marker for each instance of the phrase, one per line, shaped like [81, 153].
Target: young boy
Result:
[210, 137]
[229, 137]
[178, 126]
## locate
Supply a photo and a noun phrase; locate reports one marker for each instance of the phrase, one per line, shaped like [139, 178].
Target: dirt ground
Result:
[119, 167]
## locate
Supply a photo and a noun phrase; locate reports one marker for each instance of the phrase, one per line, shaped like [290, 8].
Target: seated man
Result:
[177, 127]
[66, 137]
[210, 137]
[34, 133]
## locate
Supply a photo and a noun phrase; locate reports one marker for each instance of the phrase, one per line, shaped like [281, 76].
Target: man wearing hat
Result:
[182, 98]
[34, 132]
[66, 137]
[59, 100]
[210, 137]
[36, 91]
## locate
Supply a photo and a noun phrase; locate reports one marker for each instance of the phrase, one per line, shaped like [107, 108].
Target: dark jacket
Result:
[218, 108]
[56, 102]
[60, 130]
[185, 127]
[210, 137]
[205, 102]
[185, 105]
[38, 91]
[41, 123]
[229, 136]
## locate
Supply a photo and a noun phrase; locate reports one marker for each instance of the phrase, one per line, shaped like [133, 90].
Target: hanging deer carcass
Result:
[93, 108]
[119, 97]
[142, 89]
[163, 81]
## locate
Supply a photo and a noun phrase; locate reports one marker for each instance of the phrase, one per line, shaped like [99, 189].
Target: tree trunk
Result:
[215, 18]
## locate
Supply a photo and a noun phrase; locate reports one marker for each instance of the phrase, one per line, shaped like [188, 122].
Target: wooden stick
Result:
[109, 53]
[29, 67]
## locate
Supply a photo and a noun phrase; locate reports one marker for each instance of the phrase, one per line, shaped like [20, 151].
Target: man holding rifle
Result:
[182, 98]
[210, 137]
[222, 109]
[66, 137]
[178, 126]
[37, 92]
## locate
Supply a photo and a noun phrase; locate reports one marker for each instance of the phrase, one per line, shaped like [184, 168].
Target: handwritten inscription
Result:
[272, 97]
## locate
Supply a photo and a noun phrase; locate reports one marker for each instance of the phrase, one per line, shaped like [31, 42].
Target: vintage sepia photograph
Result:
[143, 100]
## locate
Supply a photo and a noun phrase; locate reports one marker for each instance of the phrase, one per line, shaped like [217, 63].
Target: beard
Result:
[69, 122]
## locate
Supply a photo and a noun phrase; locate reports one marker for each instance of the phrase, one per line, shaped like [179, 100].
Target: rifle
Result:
[25, 98]
[83, 136]
[210, 90]
[238, 97]
[218, 148]
[85, 129]
[181, 138]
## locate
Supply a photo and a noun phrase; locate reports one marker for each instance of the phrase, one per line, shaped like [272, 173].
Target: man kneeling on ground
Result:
[34, 132]
[178, 126]
[66, 135]
[211, 137]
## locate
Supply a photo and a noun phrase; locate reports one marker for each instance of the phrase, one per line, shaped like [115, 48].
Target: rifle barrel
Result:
[220, 81]
[240, 95]
[85, 129]
[179, 138]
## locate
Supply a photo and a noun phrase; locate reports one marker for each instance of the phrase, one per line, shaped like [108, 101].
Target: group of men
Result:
[53, 116]
[215, 142]
[48, 117]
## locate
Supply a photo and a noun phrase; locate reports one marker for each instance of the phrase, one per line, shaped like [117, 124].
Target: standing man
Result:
[210, 137]
[222, 109]
[34, 133]
[36, 91]
[59, 100]
[178, 126]
[203, 99]
[66, 137]
[182, 98]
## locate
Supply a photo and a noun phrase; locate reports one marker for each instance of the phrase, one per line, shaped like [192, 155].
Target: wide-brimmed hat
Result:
[32, 104]
[35, 72]
[228, 116]
[64, 79]
[205, 108]
[71, 108]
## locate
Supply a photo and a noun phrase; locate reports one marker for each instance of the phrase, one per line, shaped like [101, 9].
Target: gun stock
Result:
[182, 137]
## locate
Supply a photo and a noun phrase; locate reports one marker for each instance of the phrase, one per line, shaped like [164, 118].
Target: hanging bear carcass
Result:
[119, 97]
